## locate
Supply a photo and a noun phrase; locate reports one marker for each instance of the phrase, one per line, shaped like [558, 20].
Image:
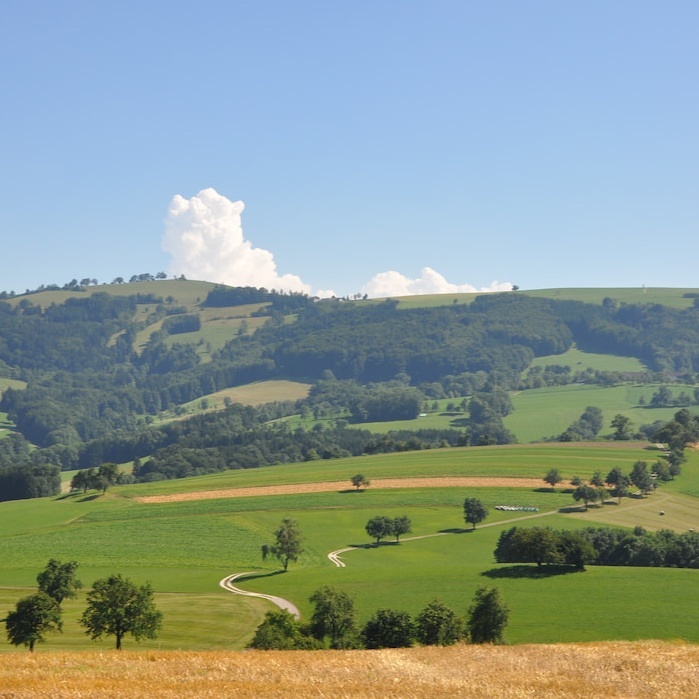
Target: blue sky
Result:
[454, 144]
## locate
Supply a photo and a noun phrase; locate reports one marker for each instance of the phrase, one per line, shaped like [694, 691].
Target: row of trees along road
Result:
[333, 624]
[644, 478]
[115, 607]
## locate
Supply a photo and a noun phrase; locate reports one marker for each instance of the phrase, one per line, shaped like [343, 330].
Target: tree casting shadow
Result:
[254, 576]
[529, 571]
[456, 530]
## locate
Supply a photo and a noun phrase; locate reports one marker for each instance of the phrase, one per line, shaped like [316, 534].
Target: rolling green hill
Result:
[185, 547]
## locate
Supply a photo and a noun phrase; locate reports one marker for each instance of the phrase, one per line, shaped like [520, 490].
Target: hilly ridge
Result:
[91, 373]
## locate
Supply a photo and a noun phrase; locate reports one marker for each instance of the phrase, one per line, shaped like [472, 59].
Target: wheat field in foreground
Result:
[641, 669]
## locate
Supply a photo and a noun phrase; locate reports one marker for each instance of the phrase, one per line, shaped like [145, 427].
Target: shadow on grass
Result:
[529, 571]
[458, 422]
[571, 508]
[456, 530]
[353, 490]
[254, 576]
[90, 498]
[373, 544]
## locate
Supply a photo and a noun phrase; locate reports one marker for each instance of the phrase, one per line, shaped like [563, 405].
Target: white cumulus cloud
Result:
[394, 283]
[204, 235]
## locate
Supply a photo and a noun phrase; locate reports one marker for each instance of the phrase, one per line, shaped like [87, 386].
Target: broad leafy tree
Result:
[32, 619]
[622, 427]
[553, 477]
[438, 625]
[487, 616]
[474, 511]
[58, 580]
[281, 631]
[619, 481]
[401, 525]
[640, 476]
[116, 607]
[287, 543]
[358, 481]
[586, 493]
[575, 549]
[528, 545]
[388, 628]
[379, 527]
[334, 617]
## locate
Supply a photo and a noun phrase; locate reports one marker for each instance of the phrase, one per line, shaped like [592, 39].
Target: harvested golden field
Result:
[639, 670]
[330, 486]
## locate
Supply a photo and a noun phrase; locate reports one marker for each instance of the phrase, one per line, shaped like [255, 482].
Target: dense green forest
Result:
[92, 393]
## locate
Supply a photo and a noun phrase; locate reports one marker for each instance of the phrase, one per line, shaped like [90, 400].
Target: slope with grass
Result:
[184, 548]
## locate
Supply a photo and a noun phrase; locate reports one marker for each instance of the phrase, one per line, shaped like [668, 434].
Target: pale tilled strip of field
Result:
[330, 486]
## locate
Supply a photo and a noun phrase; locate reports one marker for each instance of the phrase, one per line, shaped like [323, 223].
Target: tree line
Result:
[334, 624]
[598, 546]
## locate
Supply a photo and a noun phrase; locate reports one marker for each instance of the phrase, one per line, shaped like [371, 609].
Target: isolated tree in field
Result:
[116, 606]
[334, 617]
[401, 525]
[287, 543]
[487, 616]
[640, 477]
[58, 580]
[359, 481]
[32, 619]
[379, 527]
[388, 628]
[474, 511]
[553, 477]
[438, 625]
[622, 427]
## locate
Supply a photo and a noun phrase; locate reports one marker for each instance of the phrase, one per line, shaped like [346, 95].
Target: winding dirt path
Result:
[227, 584]
[339, 486]
[334, 556]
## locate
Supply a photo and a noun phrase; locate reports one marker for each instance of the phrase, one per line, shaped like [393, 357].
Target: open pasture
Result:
[578, 360]
[513, 461]
[546, 412]
[185, 548]
[665, 296]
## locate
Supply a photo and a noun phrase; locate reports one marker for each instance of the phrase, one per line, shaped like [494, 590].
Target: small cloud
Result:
[204, 235]
[394, 283]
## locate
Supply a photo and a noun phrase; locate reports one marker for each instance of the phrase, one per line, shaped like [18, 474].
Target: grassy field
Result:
[189, 293]
[578, 360]
[665, 296]
[185, 548]
[257, 393]
[546, 412]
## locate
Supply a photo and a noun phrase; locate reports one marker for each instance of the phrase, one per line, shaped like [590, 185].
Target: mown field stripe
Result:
[330, 486]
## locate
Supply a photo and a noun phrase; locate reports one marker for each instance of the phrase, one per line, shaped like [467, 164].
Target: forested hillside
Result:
[92, 394]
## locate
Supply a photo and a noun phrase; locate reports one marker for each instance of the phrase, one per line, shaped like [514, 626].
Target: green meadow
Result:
[185, 548]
